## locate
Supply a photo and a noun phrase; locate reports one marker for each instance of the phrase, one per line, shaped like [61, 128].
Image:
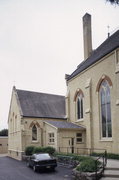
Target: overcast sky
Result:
[42, 40]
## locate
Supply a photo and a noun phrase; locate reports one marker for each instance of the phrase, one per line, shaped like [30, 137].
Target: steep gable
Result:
[41, 105]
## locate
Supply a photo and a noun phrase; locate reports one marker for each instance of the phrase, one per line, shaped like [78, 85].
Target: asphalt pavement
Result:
[11, 169]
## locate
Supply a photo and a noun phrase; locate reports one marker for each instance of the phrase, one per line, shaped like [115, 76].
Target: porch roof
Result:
[65, 125]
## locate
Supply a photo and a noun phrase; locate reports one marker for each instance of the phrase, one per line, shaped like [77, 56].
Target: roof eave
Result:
[98, 59]
[82, 129]
[25, 116]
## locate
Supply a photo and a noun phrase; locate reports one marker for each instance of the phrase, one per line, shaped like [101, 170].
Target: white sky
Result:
[42, 40]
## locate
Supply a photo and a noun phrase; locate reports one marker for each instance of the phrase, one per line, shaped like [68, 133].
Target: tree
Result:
[116, 2]
[4, 132]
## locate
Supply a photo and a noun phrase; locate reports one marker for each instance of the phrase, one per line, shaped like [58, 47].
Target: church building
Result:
[93, 92]
[38, 119]
[87, 117]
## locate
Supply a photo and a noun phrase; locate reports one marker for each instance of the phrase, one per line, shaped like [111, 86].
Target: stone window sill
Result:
[79, 120]
[106, 140]
[51, 143]
[35, 142]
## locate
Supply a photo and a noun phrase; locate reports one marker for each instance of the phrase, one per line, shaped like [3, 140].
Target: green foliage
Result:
[112, 156]
[46, 149]
[32, 150]
[74, 156]
[49, 150]
[88, 165]
[29, 150]
[109, 155]
[116, 2]
[4, 132]
[80, 158]
[97, 154]
[38, 150]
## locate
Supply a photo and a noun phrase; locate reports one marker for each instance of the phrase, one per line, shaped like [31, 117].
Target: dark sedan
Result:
[42, 161]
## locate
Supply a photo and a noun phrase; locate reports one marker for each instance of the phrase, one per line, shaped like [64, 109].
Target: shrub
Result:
[109, 155]
[49, 150]
[29, 150]
[38, 150]
[97, 154]
[74, 156]
[112, 156]
[80, 158]
[88, 165]
[46, 149]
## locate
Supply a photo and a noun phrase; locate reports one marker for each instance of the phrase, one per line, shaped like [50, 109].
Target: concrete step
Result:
[112, 163]
[112, 168]
[108, 178]
[111, 173]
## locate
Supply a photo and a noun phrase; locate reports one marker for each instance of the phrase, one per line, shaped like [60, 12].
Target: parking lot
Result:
[11, 169]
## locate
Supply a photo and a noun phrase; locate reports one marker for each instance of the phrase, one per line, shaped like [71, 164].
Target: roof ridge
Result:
[39, 92]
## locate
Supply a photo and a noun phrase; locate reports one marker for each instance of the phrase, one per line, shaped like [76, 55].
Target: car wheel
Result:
[34, 169]
[27, 164]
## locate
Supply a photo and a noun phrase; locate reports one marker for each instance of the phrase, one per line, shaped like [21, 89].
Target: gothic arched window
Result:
[34, 133]
[105, 109]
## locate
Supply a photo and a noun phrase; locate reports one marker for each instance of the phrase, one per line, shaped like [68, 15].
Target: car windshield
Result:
[42, 156]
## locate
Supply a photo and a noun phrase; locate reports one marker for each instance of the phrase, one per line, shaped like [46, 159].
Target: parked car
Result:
[42, 161]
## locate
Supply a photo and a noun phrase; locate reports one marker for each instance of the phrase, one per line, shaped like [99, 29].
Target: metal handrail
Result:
[90, 150]
[104, 157]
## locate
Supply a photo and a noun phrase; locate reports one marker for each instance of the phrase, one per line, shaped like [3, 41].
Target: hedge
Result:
[32, 150]
[29, 150]
[88, 165]
[109, 155]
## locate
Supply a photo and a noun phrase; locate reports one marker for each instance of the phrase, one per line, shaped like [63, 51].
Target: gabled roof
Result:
[105, 48]
[64, 125]
[41, 105]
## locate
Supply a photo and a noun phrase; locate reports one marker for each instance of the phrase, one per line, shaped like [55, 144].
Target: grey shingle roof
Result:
[34, 104]
[64, 125]
[106, 47]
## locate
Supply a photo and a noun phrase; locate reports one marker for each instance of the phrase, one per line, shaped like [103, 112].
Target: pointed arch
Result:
[34, 133]
[104, 77]
[34, 129]
[78, 98]
[34, 123]
[105, 108]
[78, 92]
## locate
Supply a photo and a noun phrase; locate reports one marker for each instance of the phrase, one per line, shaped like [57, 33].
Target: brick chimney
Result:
[87, 35]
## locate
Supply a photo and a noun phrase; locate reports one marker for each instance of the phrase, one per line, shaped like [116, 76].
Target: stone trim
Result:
[34, 123]
[78, 92]
[104, 77]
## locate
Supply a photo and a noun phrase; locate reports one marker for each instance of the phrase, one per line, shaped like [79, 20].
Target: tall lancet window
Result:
[105, 107]
[34, 133]
[80, 106]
